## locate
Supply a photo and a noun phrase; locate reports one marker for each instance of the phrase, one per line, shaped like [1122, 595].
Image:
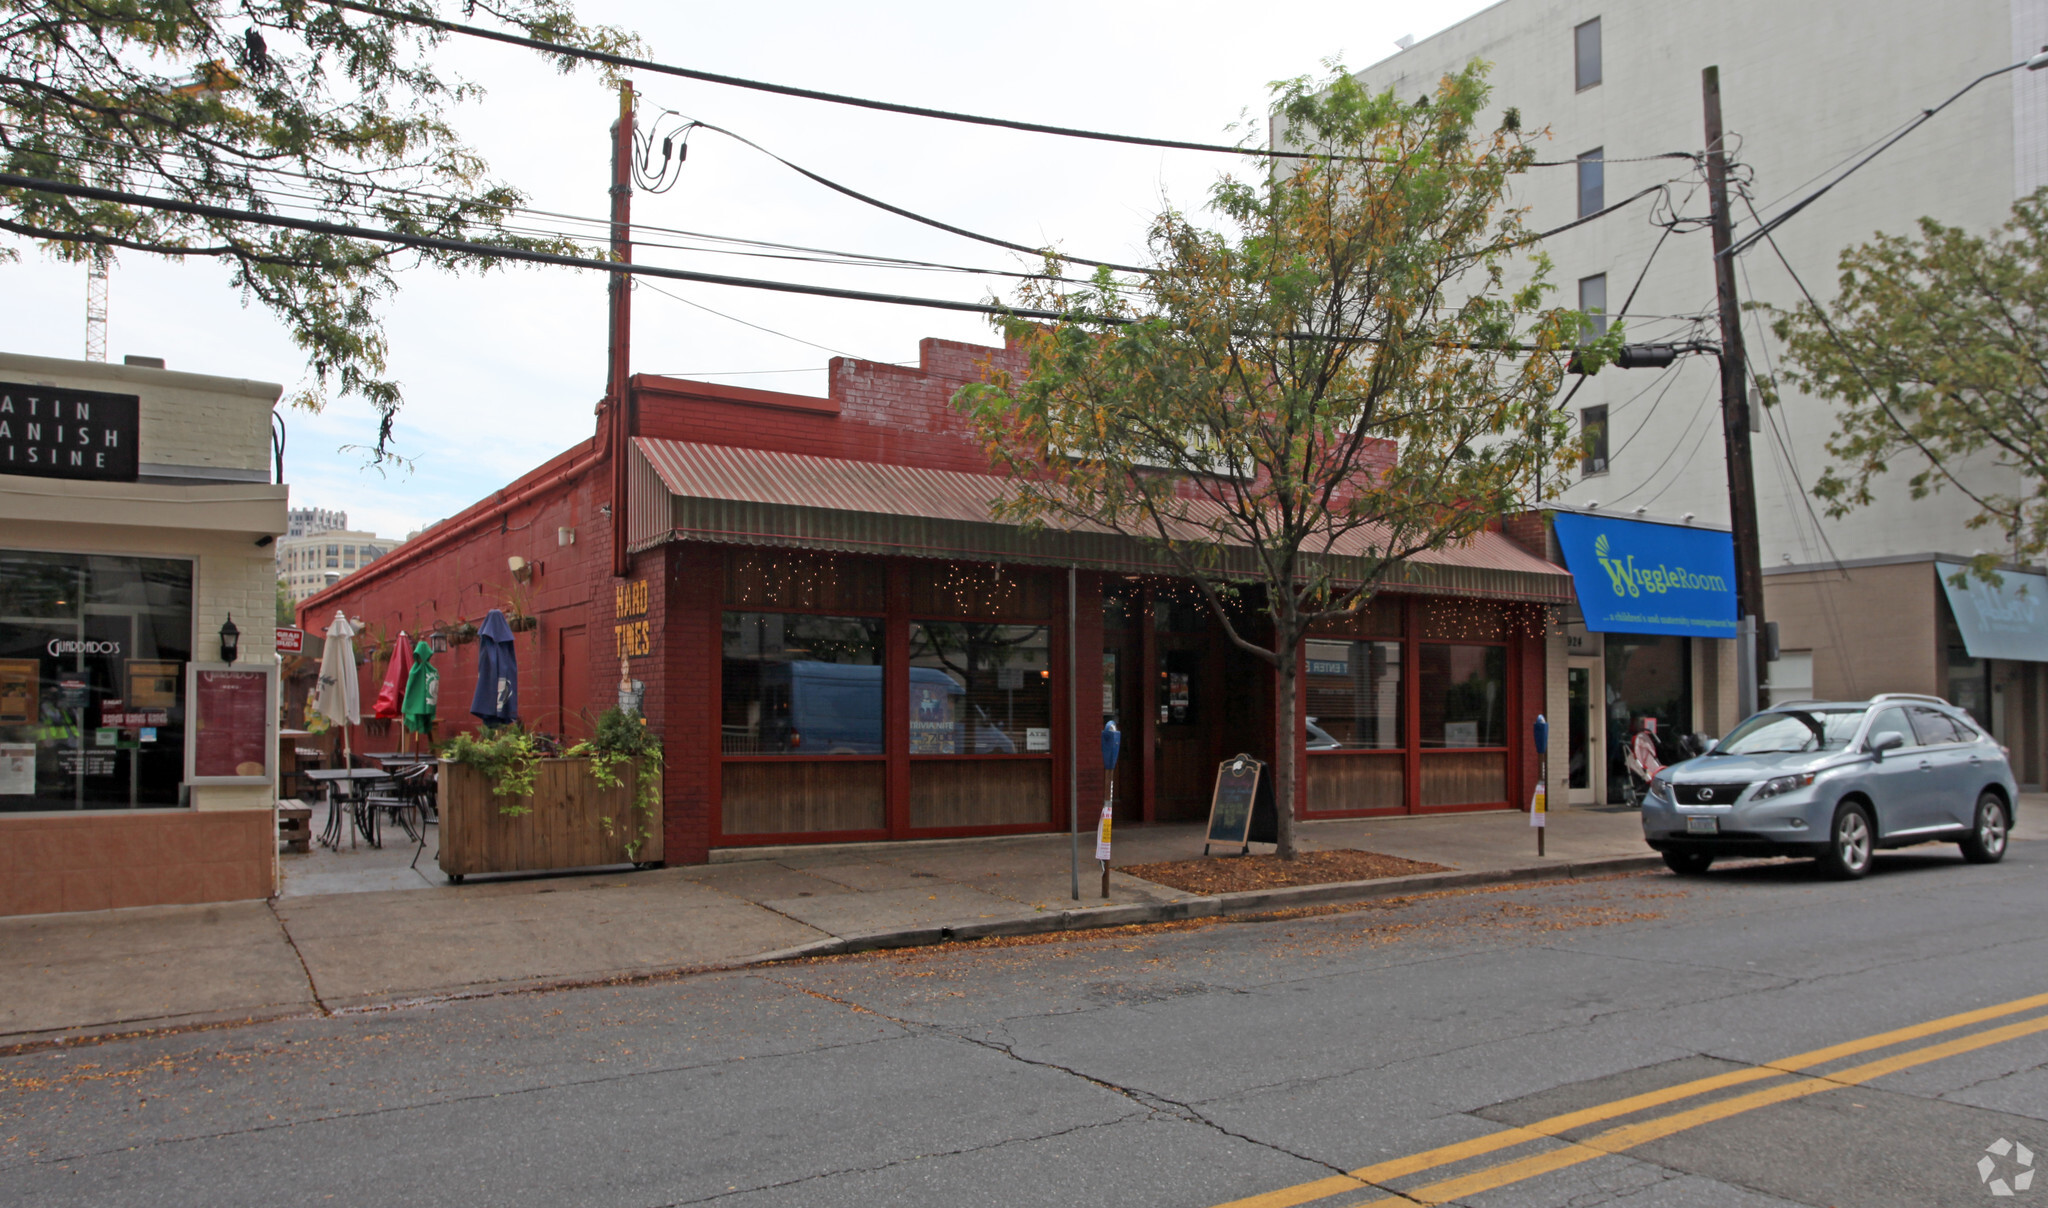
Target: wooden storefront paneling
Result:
[1343, 782]
[980, 792]
[1464, 778]
[774, 797]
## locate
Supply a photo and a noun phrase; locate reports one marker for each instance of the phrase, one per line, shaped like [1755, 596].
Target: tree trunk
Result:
[1286, 750]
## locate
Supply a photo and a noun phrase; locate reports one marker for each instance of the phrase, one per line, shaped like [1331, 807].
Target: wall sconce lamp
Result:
[521, 569]
[230, 640]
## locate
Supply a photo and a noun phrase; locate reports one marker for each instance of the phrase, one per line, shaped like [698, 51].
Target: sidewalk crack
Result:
[305, 970]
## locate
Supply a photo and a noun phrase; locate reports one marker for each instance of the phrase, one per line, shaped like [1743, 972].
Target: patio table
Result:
[345, 786]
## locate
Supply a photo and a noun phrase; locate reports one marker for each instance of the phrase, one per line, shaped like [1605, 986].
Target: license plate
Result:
[1703, 826]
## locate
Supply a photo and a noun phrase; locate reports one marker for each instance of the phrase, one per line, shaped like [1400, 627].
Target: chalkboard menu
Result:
[51, 432]
[1241, 809]
[231, 712]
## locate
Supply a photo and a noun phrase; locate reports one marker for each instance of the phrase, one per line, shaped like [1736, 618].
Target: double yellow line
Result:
[1628, 1136]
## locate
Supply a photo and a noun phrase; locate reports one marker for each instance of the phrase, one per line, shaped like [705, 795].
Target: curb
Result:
[1255, 901]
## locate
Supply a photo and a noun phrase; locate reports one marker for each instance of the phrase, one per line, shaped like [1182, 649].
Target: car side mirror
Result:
[1707, 745]
[1890, 740]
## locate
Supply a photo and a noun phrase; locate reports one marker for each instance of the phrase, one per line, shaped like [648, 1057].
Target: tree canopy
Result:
[280, 106]
[1935, 354]
[1293, 407]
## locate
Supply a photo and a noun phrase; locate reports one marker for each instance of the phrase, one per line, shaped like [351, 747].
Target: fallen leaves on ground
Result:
[1231, 874]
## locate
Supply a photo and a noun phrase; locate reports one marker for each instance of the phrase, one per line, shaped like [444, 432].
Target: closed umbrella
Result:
[391, 697]
[338, 699]
[422, 692]
[496, 702]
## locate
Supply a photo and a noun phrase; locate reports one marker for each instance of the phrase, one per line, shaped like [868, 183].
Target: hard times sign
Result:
[50, 432]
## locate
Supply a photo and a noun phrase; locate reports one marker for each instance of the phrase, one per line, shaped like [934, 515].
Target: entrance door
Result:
[572, 681]
[1187, 709]
[1584, 733]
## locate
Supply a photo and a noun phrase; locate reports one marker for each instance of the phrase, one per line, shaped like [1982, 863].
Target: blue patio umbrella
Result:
[496, 702]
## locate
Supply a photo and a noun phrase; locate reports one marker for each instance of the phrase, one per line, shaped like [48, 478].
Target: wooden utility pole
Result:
[1749, 585]
[619, 402]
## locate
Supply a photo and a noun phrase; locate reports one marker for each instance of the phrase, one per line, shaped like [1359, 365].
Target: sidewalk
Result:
[306, 953]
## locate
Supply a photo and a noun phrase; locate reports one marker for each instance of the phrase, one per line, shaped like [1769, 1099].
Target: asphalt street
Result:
[1757, 1037]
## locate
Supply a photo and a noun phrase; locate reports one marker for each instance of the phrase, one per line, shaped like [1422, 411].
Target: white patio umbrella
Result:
[339, 700]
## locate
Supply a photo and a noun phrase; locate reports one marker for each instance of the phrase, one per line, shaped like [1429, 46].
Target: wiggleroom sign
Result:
[49, 432]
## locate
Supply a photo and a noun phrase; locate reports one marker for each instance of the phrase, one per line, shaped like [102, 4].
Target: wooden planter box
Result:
[565, 829]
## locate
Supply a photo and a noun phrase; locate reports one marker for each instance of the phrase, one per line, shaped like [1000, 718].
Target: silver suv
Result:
[1836, 781]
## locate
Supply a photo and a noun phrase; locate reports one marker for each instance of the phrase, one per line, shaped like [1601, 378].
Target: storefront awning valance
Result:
[2006, 621]
[1634, 576]
[688, 491]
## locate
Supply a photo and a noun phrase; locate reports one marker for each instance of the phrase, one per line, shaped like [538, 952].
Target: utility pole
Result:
[618, 387]
[1749, 584]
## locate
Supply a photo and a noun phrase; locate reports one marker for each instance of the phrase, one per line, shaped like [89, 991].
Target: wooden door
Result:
[1187, 696]
[572, 682]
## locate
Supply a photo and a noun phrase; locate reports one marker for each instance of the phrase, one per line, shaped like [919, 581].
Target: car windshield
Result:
[1793, 731]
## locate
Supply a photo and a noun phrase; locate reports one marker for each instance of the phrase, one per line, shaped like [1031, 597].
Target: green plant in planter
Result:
[623, 737]
[508, 756]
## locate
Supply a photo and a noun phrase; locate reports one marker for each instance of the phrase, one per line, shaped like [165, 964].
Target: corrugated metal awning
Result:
[723, 494]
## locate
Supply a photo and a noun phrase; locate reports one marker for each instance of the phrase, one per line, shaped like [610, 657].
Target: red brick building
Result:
[837, 641]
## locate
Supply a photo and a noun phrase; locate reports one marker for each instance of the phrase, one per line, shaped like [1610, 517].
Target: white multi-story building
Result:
[1861, 602]
[314, 560]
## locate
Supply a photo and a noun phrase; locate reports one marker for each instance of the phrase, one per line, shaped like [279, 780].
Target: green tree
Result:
[1936, 354]
[1293, 408]
[289, 106]
[287, 612]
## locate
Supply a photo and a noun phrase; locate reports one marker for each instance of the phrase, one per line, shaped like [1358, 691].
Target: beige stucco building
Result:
[137, 508]
[1615, 85]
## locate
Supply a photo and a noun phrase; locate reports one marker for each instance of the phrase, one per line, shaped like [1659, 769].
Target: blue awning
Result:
[1633, 576]
[2009, 621]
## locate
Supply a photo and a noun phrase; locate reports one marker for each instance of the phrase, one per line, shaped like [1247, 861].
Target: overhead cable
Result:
[61, 188]
[913, 215]
[813, 94]
[1750, 240]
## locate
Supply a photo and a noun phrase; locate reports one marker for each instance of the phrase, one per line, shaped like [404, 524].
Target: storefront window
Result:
[1464, 695]
[1354, 695]
[979, 689]
[1968, 685]
[1649, 688]
[92, 680]
[795, 684]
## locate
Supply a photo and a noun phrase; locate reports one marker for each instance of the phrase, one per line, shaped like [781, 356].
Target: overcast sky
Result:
[501, 372]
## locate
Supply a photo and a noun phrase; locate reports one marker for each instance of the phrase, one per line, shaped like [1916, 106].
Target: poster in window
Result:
[20, 689]
[932, 731]
[153, 683]
[231, 716]
[17, 769]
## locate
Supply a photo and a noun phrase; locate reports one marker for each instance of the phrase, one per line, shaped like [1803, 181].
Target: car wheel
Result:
[1986, 842]
[1688, 863]
[1851, 841]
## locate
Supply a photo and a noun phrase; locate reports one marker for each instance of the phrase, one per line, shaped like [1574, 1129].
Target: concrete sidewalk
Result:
[82, 974]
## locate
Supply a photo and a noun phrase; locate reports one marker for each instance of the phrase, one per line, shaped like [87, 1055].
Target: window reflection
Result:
[979, 689]
[1464, 695]
[795, 684]
[1354, 695]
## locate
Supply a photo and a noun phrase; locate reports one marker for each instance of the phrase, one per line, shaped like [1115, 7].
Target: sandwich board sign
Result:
[1241, 808]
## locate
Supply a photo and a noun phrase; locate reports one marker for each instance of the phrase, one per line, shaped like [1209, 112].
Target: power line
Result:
[745, 323]
[812, 94]
[600, 226]
[913, 215]
[809, 94]
[13, 180]
[1750, 240]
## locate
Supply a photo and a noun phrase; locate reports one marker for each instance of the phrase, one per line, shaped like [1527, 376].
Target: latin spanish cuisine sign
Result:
[1633, 576]
[49, 432]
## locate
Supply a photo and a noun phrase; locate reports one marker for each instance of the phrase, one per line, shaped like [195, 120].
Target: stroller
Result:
[1642, 762]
